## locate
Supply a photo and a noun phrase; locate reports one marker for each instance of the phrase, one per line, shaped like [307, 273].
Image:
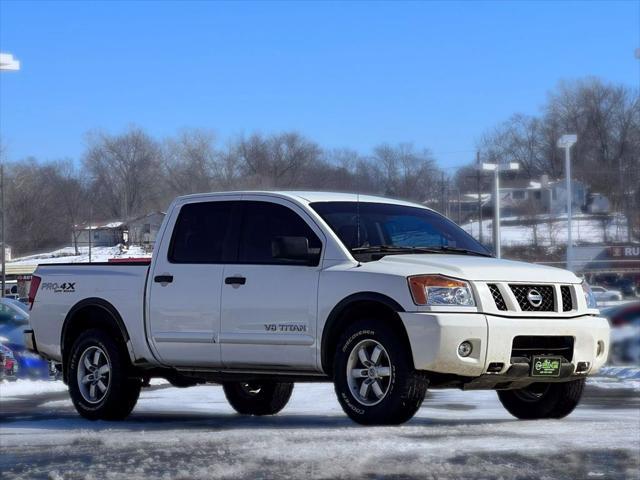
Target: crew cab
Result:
[259, 290]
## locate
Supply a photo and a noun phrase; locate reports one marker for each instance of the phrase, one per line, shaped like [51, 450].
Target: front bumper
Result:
[435, 338]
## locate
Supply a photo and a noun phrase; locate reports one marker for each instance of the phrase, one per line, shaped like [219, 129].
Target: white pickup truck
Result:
[258, 290]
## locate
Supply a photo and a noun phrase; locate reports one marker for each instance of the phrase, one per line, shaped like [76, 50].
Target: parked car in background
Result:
[8, 364]
[625, 334]
[14, 320]
[627, 287]
[604, 295]
[13, 303]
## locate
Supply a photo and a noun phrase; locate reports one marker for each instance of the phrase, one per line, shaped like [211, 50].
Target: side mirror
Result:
[294, 249]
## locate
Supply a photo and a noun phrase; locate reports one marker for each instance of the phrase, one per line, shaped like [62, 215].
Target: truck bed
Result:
[64, 286]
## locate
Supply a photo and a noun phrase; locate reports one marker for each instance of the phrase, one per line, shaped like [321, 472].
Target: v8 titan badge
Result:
[546, 366]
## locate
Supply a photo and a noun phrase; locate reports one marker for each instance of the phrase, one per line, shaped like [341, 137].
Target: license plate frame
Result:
[546, 366]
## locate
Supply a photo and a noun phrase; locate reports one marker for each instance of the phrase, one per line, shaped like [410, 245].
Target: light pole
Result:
[566, 142]
[497, 168]
[10, 64]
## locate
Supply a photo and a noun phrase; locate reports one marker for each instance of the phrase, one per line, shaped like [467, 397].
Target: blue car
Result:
[14, 319]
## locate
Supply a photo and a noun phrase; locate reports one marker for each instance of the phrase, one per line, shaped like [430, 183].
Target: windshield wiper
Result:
[462, 251]
[404, 249]
[388, 249]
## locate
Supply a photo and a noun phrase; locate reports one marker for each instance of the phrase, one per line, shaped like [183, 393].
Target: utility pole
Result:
[11, 64]
[566, 142]
[497, 245]
[443, 206]
[90, 229]
[3, 259]
[497, 168]
[478, 179]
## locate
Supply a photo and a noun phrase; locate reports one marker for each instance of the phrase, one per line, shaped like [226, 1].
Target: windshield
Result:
[364, 227]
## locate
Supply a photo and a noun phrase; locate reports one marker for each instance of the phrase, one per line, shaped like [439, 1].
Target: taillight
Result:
[33, 289]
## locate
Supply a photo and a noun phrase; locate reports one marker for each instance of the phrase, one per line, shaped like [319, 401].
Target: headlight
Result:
[435, 290]
[589, 296]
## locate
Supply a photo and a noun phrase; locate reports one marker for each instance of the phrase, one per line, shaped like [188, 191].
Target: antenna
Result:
[358, 219]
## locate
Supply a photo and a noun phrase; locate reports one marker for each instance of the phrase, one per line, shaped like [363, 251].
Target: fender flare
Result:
[93, 302]
[344, 304]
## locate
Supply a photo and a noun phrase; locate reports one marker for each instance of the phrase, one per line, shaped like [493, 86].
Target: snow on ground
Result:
[585, 229]
[194, 434]
[98, 254]
[10, 390]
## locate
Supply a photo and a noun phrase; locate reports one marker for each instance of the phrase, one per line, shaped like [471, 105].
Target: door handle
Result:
[163, 279]
[235, 280]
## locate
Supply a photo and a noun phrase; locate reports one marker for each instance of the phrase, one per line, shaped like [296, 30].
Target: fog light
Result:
[582, 367]
[465, 349]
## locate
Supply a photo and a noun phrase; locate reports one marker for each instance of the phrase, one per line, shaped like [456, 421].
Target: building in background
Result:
[107, 235]
[521, 197]
[143, 230]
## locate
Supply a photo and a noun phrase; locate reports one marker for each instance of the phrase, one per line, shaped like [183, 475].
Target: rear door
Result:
[269, 304]
[184, 300]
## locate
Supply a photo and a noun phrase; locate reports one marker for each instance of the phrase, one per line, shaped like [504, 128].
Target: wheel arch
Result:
[91, 313]
[350, 309]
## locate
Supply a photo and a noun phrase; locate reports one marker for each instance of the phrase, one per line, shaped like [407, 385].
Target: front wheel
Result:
[543, 400]
[257, 398]
[374, 377]
[99, 384]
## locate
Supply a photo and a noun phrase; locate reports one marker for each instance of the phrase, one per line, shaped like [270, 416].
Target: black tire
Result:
[404, 388]
[122, 390]
[257, 398]
[543, 400]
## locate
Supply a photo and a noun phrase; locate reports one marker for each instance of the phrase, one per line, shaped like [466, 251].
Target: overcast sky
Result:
[344, 74]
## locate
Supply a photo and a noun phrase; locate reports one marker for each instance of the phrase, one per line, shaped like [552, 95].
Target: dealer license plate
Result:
[546, 366]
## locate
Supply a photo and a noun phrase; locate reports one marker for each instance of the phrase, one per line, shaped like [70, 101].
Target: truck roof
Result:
[307, 197]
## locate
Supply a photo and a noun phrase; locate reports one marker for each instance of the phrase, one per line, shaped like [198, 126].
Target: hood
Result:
[469, 267]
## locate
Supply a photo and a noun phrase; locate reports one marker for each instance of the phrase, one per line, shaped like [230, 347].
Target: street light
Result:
[496, 168]
[7, 64]
[566, 142]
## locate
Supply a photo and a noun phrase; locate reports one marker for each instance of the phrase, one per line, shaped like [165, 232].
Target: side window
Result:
[203, 233]
[274, 234]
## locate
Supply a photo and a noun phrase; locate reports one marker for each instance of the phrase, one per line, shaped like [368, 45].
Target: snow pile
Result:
[553, 230]
[19, 388]
[617, 377]
[624, 373]
[98, 254]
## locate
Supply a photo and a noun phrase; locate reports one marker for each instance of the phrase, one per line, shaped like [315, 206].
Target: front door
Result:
[184, 300]
[269, 302]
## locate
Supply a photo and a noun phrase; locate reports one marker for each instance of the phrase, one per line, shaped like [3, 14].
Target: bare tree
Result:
[407, 173]
[126, 172]
[277, 161]
[189, 161]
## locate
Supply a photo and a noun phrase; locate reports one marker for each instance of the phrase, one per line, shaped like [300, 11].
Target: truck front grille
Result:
[526, 346]
[497, 297]
[525, 295]
[567, 301]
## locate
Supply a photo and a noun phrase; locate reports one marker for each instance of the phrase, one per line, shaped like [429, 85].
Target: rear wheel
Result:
[99, 382]
[258, 398]
[374, 377]
[543, 400]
